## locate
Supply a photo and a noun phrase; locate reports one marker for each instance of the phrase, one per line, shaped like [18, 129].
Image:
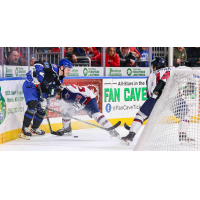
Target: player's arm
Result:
[39, 70]
[158, 89]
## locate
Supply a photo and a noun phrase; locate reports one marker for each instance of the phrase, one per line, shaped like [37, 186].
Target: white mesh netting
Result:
[174, 122]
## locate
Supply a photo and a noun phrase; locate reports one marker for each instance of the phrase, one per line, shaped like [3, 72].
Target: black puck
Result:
[75, 136]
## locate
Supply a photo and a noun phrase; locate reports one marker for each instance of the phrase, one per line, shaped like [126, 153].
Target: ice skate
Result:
[36, 131]
[129, 138]
[25, 133]
[114, 133]
[183, 138]
[65, 131]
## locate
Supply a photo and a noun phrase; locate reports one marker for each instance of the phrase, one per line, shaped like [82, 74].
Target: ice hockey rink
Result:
[93, 139]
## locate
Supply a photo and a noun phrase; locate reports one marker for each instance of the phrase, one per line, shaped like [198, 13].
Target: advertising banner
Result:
[95, 85]
[127, 71]
[15, 71]
[12, 105]
[86, 71]
[32, 68]
[123, 97]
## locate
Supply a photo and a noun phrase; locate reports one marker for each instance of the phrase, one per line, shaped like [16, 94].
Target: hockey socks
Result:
[101, 119]
[28, 116]
[138, 122]
[66, 121]
[38, 118]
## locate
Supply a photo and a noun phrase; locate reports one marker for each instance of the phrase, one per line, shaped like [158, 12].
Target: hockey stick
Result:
[107, 129]
[46, 111]
[128, 127]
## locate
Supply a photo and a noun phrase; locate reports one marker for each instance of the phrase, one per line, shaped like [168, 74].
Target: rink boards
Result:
[117, 98]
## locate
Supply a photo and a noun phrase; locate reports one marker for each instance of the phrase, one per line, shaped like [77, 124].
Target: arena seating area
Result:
[92, 56]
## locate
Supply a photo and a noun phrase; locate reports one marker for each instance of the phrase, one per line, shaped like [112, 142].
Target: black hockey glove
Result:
[50, 76]
[159, 88]
[48, 67]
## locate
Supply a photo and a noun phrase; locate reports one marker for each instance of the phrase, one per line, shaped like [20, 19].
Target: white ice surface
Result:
[88, 140]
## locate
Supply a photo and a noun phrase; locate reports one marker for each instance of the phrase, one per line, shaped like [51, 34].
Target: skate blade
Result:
[127, 142]
[68, 134]
[25, 137]
[115, 137]
[35, 134]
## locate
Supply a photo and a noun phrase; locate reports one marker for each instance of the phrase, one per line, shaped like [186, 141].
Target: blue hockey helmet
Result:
[65, 63]
[158, 62]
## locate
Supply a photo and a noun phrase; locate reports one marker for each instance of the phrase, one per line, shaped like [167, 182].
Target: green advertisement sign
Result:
[123, 97]
[115, 72]
[127, 71]
[15, 71]
[2, 107]
[86, 71]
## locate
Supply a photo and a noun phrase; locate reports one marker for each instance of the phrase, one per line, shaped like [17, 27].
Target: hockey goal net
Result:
[174, 122]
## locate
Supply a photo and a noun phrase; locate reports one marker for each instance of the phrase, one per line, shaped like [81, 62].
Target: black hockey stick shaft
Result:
[107, 129]
[45, 111]
[128, 127]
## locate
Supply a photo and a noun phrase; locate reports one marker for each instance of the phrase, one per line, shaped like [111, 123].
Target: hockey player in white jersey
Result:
[73, 99]
[155, 85]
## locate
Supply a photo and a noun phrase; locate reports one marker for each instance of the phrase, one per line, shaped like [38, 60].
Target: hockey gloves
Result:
[43, 104]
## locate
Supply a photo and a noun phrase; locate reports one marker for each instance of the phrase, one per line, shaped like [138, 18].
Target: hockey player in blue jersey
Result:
[73, 99]
[44, 75]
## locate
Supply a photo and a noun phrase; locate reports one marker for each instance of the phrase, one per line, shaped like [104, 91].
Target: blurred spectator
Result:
[180, 55]
[13, 58]
[57, 50]
[144, 56]
[32, 61]
[135, 52]
[65, 51]
[43, 49]
[16, 49]
[112, 59]
[22, 61]
[92, 51]
[193, 54]
[70, 55]
[42, 53]
[126, 57]
[98, 49]
[74, 52]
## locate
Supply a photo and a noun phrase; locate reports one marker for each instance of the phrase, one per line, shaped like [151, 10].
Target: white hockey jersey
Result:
[78, 94]
[160, 74]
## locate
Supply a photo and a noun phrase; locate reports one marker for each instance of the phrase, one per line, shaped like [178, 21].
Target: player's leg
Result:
[28, 116]
[31, 98]
[67, 130]
[140, 117]
[93, 111]
[37, 120]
